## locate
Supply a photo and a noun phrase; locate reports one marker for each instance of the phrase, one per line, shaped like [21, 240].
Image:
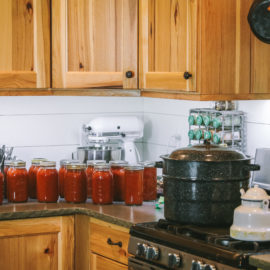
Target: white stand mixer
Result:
[107, 129]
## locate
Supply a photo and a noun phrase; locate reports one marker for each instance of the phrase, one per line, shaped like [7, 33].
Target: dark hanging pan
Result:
[259, 19]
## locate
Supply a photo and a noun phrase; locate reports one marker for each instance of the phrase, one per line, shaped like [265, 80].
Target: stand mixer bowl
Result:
[107, 153]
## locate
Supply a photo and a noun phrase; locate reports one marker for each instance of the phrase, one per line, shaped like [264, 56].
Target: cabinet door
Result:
[168, 44]
[224, 54]
[102, 263]
[25, 44]
[94, 43]
[43, 243]
[260, 66]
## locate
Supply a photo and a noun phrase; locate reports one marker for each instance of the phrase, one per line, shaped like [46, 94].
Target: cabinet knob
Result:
[187, 75]
[129, 74]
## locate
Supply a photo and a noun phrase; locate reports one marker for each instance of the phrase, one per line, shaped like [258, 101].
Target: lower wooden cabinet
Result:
[37, 244]
[98, 262]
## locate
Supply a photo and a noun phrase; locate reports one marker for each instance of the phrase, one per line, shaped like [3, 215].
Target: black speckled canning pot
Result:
[204, 192]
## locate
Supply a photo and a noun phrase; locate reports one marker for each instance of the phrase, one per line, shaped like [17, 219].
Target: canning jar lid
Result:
[117, 163]
[18, 163]
[8, 162]
[76, 166]
[207, 152]
[47, 164]
[64, 162]
[95, 162]
[101, 167]
[147, 164]
[134, 168]
[37, 161]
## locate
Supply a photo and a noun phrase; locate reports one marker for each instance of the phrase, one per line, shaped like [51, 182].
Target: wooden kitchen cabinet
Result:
[40, 243]
[168, 44]
[24, 44]
[94, 44]
[211, 40]
[100, 245]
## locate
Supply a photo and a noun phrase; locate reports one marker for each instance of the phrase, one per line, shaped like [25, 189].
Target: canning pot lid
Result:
[255, 194]
[207, 152]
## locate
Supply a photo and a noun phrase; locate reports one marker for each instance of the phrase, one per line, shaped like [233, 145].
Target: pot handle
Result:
[252, 167]
[159, 164]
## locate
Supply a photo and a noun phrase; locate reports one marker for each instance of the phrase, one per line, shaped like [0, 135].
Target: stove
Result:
[166, 245]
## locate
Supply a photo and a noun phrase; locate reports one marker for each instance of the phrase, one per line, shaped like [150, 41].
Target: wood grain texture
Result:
[168, 43]
[29, 252]
[260, 66]
[82, 238]
[224, 53]
[25, 43]
[100, 232]
[94, 36]
[39, 243]
[101, 263]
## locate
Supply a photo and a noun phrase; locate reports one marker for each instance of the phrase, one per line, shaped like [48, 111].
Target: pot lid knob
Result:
[255, 194]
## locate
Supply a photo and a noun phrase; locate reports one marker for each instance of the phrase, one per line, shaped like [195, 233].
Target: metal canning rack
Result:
[229, 126]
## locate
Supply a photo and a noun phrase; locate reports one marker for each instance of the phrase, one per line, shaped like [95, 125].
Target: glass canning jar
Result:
[17, 180]
[32, 177]
[89, 173]
[47, 182]
[75, 183]
[118, 172]
[134, 185]
[7, 165]
[61, 174]
[149, 180]
[102, 185]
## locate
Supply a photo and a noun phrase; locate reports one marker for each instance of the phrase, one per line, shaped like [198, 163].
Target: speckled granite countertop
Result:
[260, 261]
[118, 213]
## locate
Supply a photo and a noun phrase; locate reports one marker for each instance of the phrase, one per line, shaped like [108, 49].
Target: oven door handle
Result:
[111, 243]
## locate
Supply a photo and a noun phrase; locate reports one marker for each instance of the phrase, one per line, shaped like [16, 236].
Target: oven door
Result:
[135, 264]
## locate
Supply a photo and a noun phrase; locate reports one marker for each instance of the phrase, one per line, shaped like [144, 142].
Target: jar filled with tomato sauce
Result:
[47, 182]
[7, 165]
[102, 185]
[62, 173]
[118, 172]
[134, 185]
[75, 183]
[17, 181]
[32, 177]
[89, 173]
[149, 180]
[1, 187]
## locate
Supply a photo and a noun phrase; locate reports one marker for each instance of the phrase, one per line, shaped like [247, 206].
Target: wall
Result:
[50, 126]
[166, 124]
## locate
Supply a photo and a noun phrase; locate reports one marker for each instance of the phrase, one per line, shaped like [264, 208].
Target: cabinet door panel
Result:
[224, 57]
[94, 43]
[25, 43]
[168, 44]
[29, 252]
[260, 66]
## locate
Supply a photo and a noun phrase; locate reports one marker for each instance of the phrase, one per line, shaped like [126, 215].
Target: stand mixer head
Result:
[115, 132]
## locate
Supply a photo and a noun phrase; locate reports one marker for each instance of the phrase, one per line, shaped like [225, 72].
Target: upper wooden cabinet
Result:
[25, 44]
[168, 44]
[94, 43]
[211, 40]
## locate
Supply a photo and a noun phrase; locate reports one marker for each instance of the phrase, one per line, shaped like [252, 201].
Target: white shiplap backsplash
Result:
[166, 124]
[50, 126]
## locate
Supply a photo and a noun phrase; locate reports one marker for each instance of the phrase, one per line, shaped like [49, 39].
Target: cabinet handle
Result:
[110, 242]
[187, 75]
[129, 74]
